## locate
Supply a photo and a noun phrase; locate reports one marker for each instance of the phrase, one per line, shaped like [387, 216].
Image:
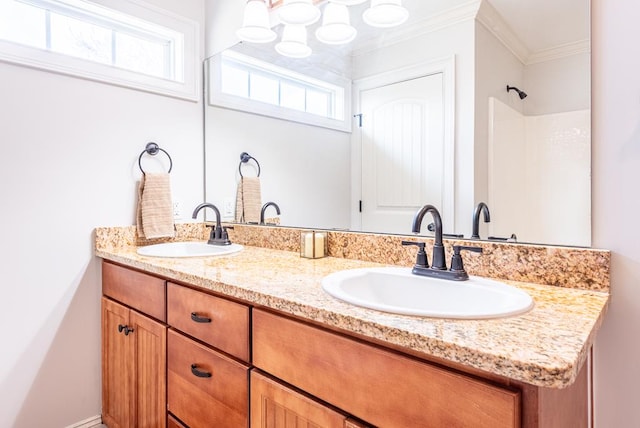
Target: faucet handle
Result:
[225, 233]
[212, 234]
[421, 257]
[456, 260]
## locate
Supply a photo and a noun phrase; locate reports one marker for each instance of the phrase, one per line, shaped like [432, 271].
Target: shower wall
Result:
[544, 160]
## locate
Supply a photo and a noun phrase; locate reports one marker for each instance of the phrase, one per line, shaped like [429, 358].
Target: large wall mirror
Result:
[428, 120]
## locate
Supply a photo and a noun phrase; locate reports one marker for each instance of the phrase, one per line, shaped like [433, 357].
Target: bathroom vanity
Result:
[252, 340]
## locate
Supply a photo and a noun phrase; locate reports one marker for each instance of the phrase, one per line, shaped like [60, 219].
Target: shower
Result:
[521, 94]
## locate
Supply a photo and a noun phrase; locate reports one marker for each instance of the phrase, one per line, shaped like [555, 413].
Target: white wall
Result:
[223, 18]
[558, 85]
[305, 169]
[69, 150]
[616, 204]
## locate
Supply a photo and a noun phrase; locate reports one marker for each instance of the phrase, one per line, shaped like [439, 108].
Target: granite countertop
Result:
[544, 347]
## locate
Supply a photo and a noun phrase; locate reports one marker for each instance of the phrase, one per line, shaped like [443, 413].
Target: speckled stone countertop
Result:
[544, 347]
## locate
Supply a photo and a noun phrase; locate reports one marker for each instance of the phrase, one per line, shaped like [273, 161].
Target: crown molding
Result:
[561, 51]
[447, 18]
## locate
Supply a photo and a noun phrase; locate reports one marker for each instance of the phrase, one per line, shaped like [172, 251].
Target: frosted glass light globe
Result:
[385, 13]
[299, 12]
[294, 42]
[336, 28]
[255, 25]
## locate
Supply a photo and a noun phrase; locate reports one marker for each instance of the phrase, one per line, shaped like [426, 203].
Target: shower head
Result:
[521, 94]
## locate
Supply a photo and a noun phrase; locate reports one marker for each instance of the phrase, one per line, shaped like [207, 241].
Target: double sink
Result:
[392, 289]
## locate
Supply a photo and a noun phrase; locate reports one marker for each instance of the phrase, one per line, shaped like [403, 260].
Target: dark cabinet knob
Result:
[124, 328]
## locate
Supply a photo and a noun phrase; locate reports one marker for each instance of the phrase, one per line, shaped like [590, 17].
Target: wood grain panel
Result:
[273, 405]
[140, 291]
[229, 326]
[118, 407]
[384, 388]
[149, 339]
[220, 401]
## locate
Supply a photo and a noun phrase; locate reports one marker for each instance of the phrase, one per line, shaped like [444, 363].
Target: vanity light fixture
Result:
[294, 42]
[256, 27]
[336, 28]
[385, 13]
[296, 15]
[302, 12]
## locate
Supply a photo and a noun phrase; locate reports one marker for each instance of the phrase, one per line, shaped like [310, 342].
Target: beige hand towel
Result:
[155, 209]
[248, 200]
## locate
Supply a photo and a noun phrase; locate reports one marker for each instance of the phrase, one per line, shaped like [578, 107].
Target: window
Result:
[150, 49]
[240, 82]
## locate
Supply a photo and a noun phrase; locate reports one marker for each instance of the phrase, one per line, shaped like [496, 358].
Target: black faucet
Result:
[264, 208]
[475, 234]
[218, 235]
[439, 266]
[437, 261]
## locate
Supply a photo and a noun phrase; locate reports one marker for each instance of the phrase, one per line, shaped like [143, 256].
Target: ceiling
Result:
[539, 24]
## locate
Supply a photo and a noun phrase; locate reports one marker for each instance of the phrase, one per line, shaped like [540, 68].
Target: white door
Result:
[402, 152]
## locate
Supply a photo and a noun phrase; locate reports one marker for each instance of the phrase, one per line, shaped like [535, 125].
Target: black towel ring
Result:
[244, 158]
[153, 149]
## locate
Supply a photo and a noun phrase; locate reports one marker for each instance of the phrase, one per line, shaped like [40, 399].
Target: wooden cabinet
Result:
[274, 405]
[212, 362]
[148, 370]
[374, 384]
[133, 368]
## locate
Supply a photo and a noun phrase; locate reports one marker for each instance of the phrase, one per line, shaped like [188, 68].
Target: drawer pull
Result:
[198, 373]
[195, 317]
[126, 329]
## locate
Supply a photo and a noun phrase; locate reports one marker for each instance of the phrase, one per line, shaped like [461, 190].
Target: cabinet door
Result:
[275, 406]
[149, 343]
[117, 389]
[133, 368]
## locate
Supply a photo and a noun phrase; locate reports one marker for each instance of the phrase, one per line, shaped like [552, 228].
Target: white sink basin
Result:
[188, 249]
[399, 291]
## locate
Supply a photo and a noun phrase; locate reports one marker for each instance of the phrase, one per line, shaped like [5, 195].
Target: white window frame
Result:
[216, 97]
[185, 87]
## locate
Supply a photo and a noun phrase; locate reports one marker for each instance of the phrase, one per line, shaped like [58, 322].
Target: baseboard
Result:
[92, 422]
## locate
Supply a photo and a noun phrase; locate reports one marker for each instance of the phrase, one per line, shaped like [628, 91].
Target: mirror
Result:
[527, 158]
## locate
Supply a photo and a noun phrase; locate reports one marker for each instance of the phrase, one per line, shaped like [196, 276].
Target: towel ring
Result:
[153, 149]
[244, 158]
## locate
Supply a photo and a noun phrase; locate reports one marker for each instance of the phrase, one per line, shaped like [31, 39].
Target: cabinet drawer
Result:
[376, 385]
[140, 291]
[221, 323]
[205, 388]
